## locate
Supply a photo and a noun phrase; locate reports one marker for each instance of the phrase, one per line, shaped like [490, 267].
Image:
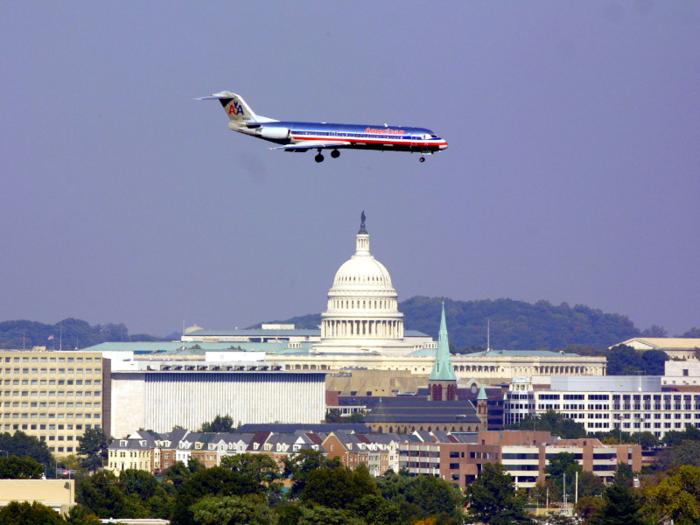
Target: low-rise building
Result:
[675, 347]
[459, 458]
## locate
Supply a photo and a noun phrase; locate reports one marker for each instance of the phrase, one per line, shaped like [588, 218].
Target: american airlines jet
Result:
[303, 136]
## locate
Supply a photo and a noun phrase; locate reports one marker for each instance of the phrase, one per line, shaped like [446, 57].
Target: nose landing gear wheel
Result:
[318, 158]
[335, 154]
[422, 159]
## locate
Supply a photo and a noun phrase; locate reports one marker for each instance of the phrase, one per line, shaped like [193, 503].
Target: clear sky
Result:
[572, 172]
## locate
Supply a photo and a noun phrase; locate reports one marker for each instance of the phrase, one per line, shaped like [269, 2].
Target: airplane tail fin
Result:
[236, 108]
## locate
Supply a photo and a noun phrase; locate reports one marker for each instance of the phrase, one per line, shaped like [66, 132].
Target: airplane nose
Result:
[443, 146]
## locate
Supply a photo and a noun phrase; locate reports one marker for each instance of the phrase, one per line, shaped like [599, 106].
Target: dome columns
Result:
[361, 328]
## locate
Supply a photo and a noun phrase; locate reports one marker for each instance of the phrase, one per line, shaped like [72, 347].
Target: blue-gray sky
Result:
[572, 171]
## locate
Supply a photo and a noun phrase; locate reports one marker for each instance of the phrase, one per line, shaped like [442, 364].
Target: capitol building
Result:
[363, 312]
[362, 328]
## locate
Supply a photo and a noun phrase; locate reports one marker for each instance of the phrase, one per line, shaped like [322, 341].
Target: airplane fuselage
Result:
[305, 136]
[346, 136]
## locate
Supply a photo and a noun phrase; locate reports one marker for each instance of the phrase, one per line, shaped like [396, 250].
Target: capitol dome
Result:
[362, 304]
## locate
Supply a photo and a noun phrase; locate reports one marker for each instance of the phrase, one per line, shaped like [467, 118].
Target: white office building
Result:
[627, 403]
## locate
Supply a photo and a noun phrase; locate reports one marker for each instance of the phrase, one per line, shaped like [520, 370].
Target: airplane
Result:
[303, 136]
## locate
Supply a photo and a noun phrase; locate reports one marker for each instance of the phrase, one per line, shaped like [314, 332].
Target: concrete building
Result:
[682, 375]
[459, 458]
[162, 394]
[59, 494]
[53, 395]
[628, 403]
[675, 347]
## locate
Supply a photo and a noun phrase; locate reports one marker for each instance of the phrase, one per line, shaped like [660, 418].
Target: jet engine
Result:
[273, 133]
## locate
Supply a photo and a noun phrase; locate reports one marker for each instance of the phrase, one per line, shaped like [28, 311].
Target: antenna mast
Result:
[488, 335]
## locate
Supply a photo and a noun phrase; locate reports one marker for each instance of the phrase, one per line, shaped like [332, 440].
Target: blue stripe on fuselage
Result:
[347, 128]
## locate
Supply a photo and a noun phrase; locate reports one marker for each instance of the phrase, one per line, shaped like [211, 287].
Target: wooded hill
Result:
[67, 334]
[515, 325]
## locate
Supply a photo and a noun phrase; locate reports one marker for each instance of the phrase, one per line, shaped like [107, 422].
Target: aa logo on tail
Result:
[235, 108]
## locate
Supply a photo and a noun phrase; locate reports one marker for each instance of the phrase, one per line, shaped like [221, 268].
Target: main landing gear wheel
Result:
[422, 159]
[335, 154]
[318, 158]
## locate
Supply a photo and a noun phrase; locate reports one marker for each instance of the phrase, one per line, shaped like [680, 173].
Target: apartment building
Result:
[460, 457]
[53, 395]
[625, 403]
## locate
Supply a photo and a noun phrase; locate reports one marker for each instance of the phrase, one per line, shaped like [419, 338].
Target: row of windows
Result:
[658, 425]
[52, 359]
[50, 427]
[34, 393]
[24, 415]
[51, 370]
[657, 397]
[521, 467]
[51, 382]
[668, 406]
[36, 404]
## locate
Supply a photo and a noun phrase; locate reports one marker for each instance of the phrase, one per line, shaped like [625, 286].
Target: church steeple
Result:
[443, 375]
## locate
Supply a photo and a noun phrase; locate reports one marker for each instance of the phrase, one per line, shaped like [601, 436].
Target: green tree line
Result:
[68, 333]
[514, 325]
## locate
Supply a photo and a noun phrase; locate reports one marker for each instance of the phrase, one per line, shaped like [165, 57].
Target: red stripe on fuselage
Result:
[406, 142]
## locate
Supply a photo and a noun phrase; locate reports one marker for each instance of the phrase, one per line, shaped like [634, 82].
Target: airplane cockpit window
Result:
[433, 136]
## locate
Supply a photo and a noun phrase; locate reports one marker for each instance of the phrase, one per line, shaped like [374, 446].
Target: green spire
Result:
[482, 394]
[442, 369]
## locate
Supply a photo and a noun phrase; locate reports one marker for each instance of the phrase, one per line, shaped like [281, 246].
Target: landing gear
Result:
[335, 154]
[422, 159]
[318, 158]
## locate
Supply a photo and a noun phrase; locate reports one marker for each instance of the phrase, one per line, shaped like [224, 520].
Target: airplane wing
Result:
[314, 144]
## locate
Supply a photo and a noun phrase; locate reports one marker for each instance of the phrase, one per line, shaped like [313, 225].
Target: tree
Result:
[338, 488]
[624, 361]
[655, 331]
[214, 481]
[319, 515]
[589, 506]
[492, 498]
[16, 513]
[589, 485]
[20, 444]
[219, 424]
[79, 515]
[93, 446]
[653, 362]
[298, 467]
[376, 510]
[14, 467]
[260, 467]
[233, 510]
[692, 333]
[675, 438]
[563, 463]
[624, 475]
[622, 507]
[676, 499]
[553, 422]
[179, 473]
[334, 416]
[687, 453]
[104, 495]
